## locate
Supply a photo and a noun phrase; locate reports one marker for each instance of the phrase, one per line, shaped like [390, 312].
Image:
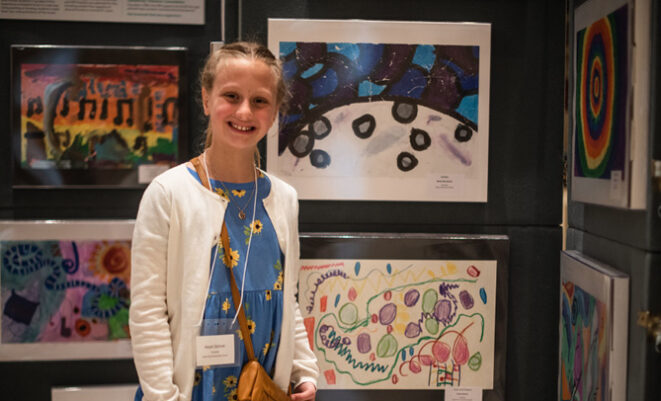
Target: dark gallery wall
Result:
[525, 169]
[526, 106]
[643, 269]
[630, 241]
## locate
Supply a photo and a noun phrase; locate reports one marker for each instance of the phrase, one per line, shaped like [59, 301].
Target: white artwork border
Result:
[381, 324]
[46, 230]
[446, 170]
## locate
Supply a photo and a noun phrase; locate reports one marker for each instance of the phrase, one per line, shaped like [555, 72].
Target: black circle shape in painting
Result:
[301, 144]
[364, 126]
[404, 112]
[320, 158]
[420, 140]
[320, 128]
[463, 133]
[406, 161]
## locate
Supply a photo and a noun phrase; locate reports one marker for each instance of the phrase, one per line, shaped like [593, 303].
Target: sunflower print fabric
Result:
[263, 310]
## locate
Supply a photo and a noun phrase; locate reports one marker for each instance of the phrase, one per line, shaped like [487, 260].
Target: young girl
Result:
[180, 278]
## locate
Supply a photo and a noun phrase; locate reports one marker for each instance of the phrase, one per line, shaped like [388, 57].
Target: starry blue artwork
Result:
[366, 108]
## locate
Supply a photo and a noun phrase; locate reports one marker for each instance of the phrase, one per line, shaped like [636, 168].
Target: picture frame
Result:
[401, 114]
[111, 392]
[594, 322]
[611, 97]
[96, 116]
[65, 289]
[361, 296]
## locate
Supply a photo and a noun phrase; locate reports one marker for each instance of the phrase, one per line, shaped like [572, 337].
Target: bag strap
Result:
[201, 171]
[243, 322]
[225, 241]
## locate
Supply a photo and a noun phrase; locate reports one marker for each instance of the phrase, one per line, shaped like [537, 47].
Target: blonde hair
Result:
[250, 51]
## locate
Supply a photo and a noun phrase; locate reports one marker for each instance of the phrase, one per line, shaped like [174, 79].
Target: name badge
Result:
[216, 350]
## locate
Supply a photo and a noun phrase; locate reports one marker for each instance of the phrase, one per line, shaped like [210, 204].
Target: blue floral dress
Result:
[262, 297]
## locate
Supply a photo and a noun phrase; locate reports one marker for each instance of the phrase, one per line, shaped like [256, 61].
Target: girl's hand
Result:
[304, 392]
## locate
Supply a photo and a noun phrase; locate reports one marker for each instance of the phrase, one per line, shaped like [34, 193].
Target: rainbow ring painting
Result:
[96, 115]
[64, 287]
[400, 323]
[600, 146]
[383, 110]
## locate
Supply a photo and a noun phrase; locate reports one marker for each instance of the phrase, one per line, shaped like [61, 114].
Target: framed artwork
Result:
[611, 103]
[594, 321]
[64, 287]
[406, 311]
[395, 111]
[101, 116]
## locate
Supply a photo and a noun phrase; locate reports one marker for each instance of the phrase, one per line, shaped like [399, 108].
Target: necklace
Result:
[242, 213]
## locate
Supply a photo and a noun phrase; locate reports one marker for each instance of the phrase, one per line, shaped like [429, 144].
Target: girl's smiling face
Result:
[241, 105]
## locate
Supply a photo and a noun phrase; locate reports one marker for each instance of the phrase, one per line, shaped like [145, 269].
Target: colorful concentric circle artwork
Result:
[601, 96]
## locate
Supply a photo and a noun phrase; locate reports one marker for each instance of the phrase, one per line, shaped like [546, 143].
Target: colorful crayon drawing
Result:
[600, 144]
[400, 324]
[64, 291]
[98, 116]
[363, 114]
[584, 346]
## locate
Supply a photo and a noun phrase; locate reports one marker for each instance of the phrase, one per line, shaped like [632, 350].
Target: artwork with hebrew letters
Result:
[401, 114]
[98, 110]
[400, 324]
[63, 292]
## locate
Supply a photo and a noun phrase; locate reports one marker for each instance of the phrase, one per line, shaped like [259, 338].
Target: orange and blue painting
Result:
[64, 291]
[584, 346]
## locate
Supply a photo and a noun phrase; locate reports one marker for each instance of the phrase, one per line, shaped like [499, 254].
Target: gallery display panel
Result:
[406, 311]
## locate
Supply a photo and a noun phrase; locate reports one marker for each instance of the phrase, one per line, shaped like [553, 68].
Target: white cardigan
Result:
[178, 222]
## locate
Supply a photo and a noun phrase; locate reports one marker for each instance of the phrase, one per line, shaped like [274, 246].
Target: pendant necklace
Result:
[242, 213]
